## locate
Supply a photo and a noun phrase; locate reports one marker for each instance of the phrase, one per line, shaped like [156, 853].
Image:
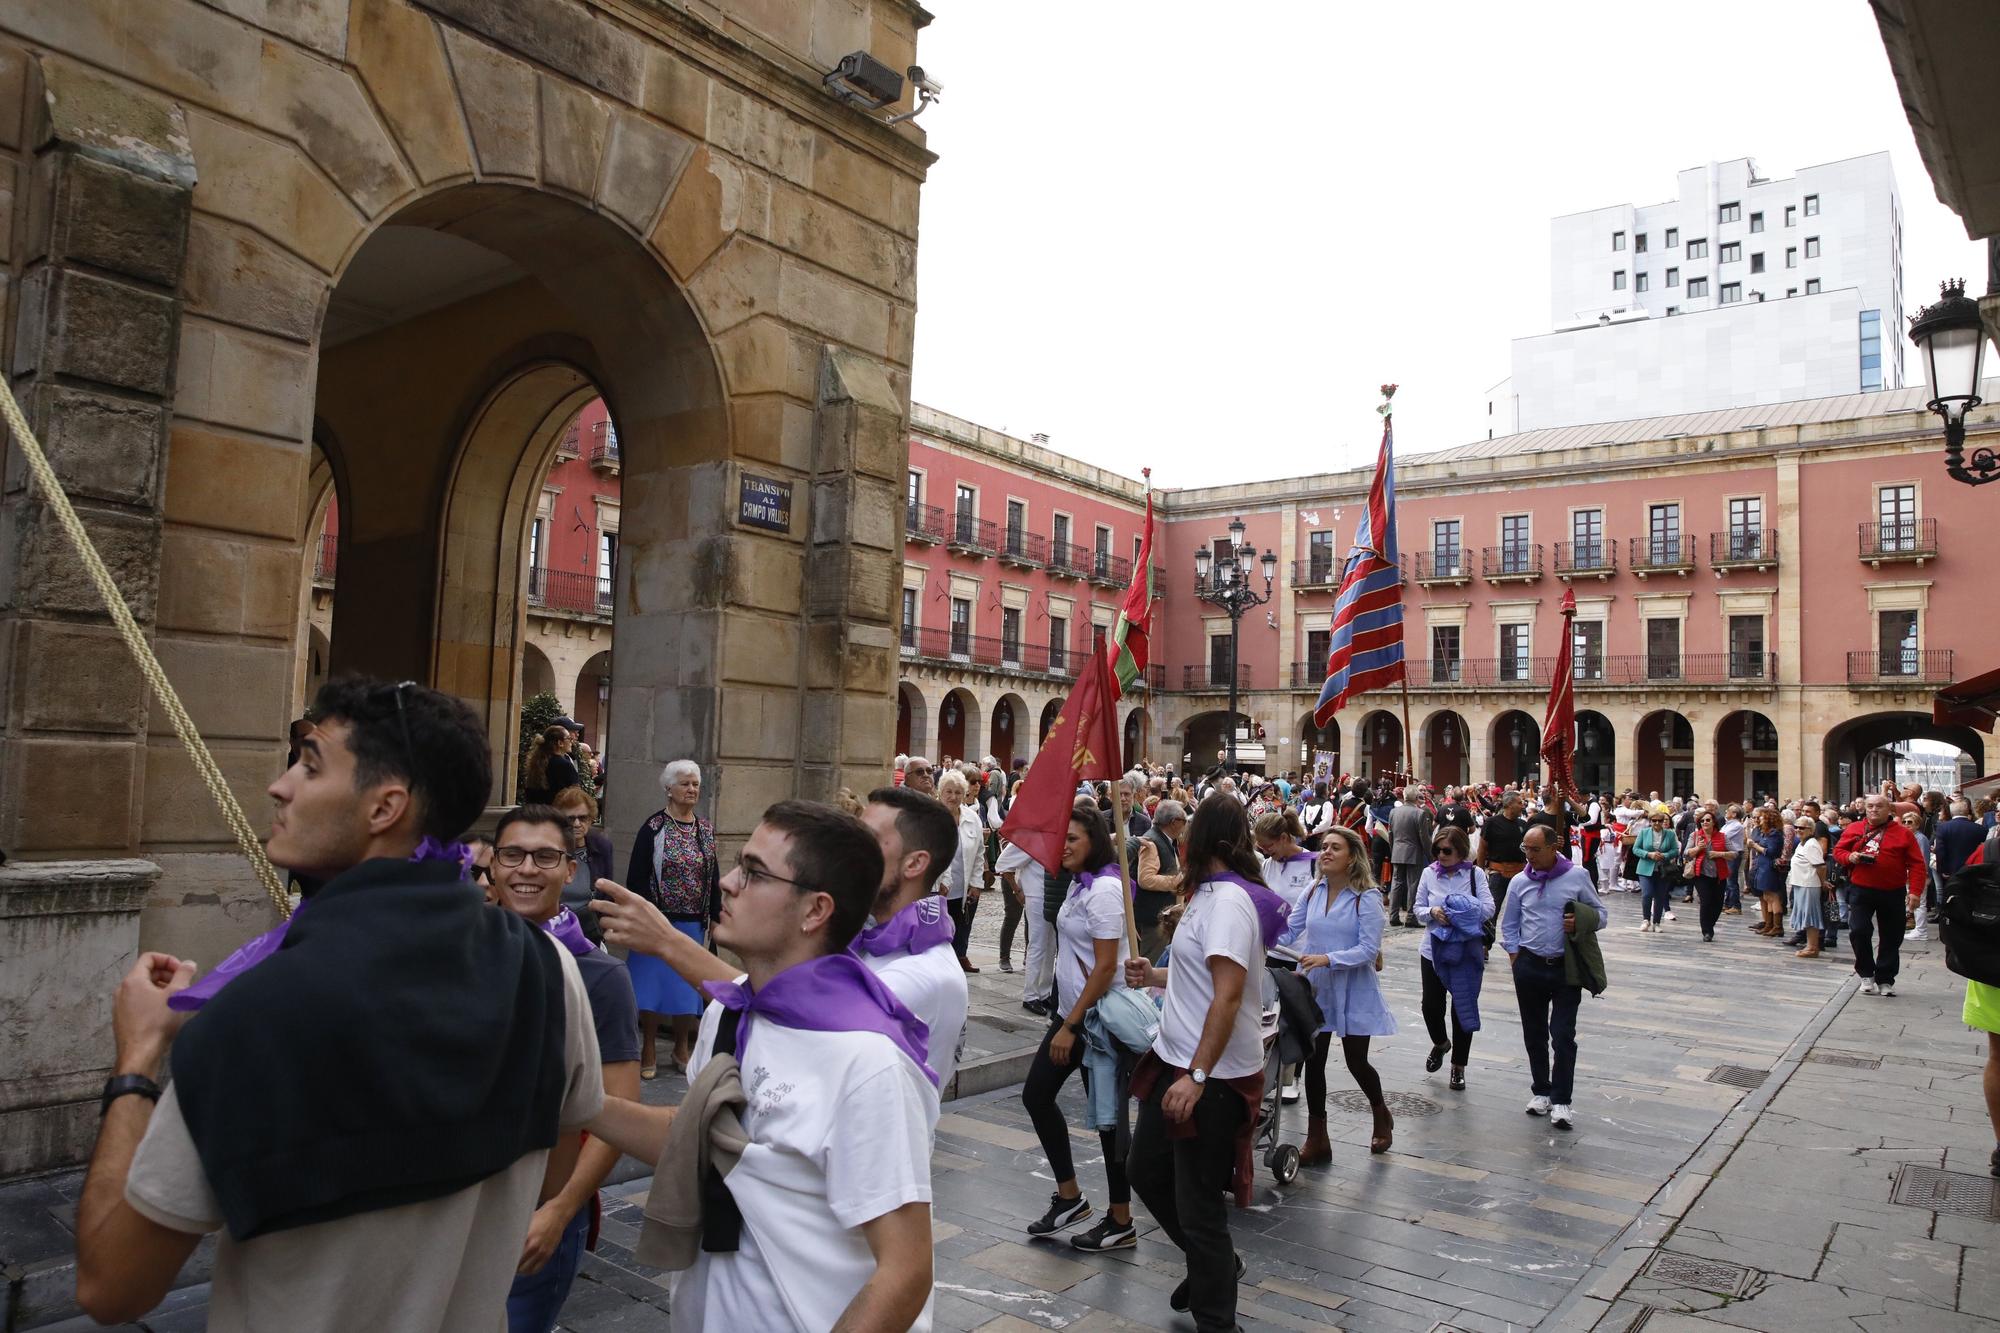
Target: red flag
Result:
[1131, 638]
[1559, 723]
[1083, 743]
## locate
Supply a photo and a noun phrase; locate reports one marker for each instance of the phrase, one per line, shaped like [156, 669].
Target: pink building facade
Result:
[1765, 597]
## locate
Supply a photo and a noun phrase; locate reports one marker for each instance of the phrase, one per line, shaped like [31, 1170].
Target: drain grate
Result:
[1400, 1103]
[1737, 1076]
[1957, 1192]
[1710, 1275]
[1843, 1059]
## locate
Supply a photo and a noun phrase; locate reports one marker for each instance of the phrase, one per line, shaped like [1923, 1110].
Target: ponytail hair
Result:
[1275, 824]
[1218, 839]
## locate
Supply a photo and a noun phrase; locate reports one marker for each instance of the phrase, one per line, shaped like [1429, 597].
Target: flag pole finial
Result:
[1388, 394]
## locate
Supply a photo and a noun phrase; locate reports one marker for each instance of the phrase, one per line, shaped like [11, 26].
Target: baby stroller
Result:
[1291, 1019]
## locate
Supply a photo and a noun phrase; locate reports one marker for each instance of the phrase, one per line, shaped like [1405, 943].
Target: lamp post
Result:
[1952, 340]
[1231, 591]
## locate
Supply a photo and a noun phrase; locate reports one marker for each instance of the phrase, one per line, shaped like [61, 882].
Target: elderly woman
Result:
[1157, 880]
[961, 880]
[590, 856]
[1449, 936]
[674, 868]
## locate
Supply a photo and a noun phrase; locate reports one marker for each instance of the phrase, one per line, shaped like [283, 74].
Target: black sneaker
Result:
[1039, 1007]
[1062, 1212]
[1109, 1234]
[1996, 1161]
[1458, 1078]
[1178, 1302]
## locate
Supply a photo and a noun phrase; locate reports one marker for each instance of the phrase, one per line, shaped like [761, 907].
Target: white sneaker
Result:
[1917, 935]
[1559, 1115]
[1290, 1092]
[1871, 989]
[1645, 927]
[1672, 917]
[1889, 988]
[1538, 1106]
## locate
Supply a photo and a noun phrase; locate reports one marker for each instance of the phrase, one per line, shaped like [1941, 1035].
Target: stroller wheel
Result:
[1283, 1159]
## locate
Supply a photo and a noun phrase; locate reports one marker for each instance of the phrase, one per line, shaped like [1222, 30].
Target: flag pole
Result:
[1124, 874]
[1409, 737]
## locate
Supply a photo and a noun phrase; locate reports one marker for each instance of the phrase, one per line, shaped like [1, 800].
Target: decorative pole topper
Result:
[1387, 408]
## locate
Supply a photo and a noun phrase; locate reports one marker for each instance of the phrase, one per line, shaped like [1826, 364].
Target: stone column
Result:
[68, 932]
[107, 192]
[1798, 755]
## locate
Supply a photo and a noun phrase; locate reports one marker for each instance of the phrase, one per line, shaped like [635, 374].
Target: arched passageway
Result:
[1318, 754]
[538, 675]
[1207, 739]
[1665, 754]
[1009, 715]
[1515, 745]
[1446, 744]
[592, 706]
[1050, 712]
[1746, 757]
[1857, 754]
[958, 728]
[1135, 737]
[913, 714]
[1596, 751]
[1380, 740]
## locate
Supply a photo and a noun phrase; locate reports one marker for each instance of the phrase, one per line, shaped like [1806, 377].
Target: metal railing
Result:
[1651, 555]
[567, 446]
[1521, 560]
[604, 448]
[1905, 539]
[1586, 672]
[1315, 573]
[1200, 678]
[922, 522]
[944, 643]
[1742, 546]
[569, 590]
[969, 533]
[1438, 566]
[1022, 547]
[1587, 558]
[326, 558]
[1068, 560]
[1907, 666]
[1113, 571]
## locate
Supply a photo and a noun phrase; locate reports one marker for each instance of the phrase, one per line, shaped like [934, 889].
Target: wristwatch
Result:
[1200, 1076]
[119, 1084]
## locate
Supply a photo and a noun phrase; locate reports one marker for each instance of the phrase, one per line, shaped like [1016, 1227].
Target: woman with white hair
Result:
[962, 879]
[674, 868]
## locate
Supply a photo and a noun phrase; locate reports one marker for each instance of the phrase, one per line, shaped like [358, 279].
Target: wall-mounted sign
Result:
[765, 503]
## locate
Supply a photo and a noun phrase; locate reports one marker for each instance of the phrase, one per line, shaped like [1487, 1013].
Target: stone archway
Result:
[913, 714]
[1846, 774]
[1312, 740]
[1746, 757]
[1006, 741]
[592, 704]
[1445, 747]
[1664, 745]
[1515, 744]
[1135, 738]
[1050, 712]
[1378, 744]
[958, 736]
[538, 674]
[1596, 752]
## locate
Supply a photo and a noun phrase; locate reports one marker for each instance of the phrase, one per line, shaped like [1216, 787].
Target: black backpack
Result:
[1969, 923]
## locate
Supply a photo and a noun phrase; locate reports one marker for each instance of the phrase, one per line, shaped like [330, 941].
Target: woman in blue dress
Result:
[674, 868]
[1337, 929]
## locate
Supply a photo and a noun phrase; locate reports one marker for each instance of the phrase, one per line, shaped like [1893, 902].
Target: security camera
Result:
[924, 83]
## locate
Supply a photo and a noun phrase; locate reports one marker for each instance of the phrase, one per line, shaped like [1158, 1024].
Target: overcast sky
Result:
[1167, 239]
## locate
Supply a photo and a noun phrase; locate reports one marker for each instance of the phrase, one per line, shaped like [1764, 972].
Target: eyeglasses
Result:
[403, 722]
[752, 873]
[546, 858]
[577, 821]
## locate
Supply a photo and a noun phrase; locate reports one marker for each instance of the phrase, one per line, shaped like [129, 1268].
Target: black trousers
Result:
[962, 911]
[1548, 1019]
[1710, 890]
[1008, 924]
[1185, 1184]
[1496, 882]
[1869, 909]
[1435, 997]
[1038, 1095]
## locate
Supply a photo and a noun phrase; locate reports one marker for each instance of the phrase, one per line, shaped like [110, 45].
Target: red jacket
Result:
[1899, 864]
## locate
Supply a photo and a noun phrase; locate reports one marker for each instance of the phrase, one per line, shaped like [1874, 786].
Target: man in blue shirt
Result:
[1534, 931]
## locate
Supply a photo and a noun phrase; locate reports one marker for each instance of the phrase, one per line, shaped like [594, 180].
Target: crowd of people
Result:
[399, 1107]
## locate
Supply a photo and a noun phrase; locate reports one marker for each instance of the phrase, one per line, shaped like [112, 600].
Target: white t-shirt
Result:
[1096, 913]
[1025, 869]
[1805, 858]
[1220, 922]
[840, 1127]
[931, 985]
[442, 1266]
[1290, 879]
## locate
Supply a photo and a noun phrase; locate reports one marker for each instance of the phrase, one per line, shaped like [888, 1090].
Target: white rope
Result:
[142, 652]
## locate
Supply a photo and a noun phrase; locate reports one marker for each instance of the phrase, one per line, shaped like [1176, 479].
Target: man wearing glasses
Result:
[531, 864]
[833, 1188]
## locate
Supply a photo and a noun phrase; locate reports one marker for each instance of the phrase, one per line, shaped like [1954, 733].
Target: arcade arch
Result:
[1515, 745]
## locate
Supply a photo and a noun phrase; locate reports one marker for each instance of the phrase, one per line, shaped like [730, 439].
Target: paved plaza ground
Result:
[1683, 1198]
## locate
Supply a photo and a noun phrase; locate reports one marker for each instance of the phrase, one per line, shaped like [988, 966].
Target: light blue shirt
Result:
[1433, 889]
[1533, 917]
[1349, 932]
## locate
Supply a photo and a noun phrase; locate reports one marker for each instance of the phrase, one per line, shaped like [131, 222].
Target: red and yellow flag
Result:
[1083, 744]
[1131, 638]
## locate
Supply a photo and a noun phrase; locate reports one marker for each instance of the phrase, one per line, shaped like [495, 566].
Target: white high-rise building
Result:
[1737, 292]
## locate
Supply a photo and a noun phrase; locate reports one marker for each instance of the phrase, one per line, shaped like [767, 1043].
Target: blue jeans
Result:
[535, 1299]
[1654, 896]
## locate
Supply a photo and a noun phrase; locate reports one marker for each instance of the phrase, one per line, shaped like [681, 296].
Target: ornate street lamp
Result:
[1230, 590]
[1952, 340]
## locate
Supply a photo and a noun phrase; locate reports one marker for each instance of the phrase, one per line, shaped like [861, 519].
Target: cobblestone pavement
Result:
[1678, 1200]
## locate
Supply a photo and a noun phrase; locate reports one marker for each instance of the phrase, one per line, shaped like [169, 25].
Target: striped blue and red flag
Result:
[1367, 641]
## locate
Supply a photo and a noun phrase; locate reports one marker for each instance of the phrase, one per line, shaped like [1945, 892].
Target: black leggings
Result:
[1435, 996]
[1038, 1095]
[1354, 1050]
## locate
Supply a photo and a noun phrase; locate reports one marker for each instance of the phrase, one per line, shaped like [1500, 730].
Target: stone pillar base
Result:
[68, 932]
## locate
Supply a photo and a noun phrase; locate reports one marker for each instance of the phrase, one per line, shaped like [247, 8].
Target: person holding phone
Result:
[1886, 876]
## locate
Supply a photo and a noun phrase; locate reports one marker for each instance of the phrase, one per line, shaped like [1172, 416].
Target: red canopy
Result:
[1973, 702]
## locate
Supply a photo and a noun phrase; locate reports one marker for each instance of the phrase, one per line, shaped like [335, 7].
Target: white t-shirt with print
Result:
[1806, 857]
[840, 1127]
[932, 986]
[1290, 880]
[1220, 922]
[1095, 913]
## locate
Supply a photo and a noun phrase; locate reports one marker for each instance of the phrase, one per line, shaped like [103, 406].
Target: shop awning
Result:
[1973, 702]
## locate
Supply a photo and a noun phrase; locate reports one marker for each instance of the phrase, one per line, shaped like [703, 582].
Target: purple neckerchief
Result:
[1273, 913]
[1087, 878]
[1295, 858]
[921, 926]
[1540, 878]
[430, 849]
[832, 993]
[1440, 869]
[569, 932]
[253, 952]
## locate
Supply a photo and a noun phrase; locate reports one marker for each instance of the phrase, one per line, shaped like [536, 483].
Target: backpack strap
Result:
[721, 1219]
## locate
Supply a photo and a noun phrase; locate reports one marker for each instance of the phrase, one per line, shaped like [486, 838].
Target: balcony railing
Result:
[1743, 548]
[326, 558]
[1909, 666]
[1662, 555]
[923, 523]
[1200, 679]
[971, 535]
[1595, 560]
[1112, 571]
[1907, 539]
[1509, 563]
[604, 448]
[1067, 560]
[1021, 547]
[1315, 573]
[568, 590]
[1594, 672]
[1440, 567]
[943, 643]
[568, 446]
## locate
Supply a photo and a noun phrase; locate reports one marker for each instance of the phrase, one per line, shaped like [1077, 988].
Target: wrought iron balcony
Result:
[1662, 555]
[604, 448]
[1200, 680]
[1029, 550]
[1913, 539]
[1596, 671]
[972, 536]
[1908, 666]
[1067, 560]
[923, 523]
[1743, 548]
[1315, 573]
[1448, 566]
[1586, 560]
[327, 557]
[949, 645]
[1520, 562]
[569, 591]
[1110, 571]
